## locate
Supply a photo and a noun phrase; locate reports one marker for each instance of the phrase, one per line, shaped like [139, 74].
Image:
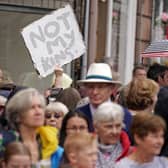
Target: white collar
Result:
[93, 108]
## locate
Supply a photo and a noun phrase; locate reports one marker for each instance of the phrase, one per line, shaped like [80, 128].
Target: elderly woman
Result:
[25, 113]
[148, 133]
[114, 143]
[54, 114]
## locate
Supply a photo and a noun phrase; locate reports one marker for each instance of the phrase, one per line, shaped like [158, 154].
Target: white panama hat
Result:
[99, 73]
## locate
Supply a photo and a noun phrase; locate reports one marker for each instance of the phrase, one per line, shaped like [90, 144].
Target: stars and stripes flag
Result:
[156, 49]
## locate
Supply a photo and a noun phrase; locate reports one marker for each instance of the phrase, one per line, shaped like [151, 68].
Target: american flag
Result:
[156, 49]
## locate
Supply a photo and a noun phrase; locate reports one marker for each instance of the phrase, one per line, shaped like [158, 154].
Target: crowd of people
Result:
[106, 125]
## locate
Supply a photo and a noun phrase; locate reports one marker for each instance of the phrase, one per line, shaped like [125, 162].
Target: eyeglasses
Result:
[55, 115]
[80, 128]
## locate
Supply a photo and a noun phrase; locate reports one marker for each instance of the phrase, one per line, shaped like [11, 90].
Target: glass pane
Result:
[15, 57]
[160, 27]
[119, 30]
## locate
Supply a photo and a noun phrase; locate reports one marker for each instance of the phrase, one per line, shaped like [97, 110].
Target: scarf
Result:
[108, 154]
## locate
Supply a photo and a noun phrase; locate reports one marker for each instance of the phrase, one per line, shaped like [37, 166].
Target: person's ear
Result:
[160, 79]
[18, 119]
[137, 139]
[72, 158]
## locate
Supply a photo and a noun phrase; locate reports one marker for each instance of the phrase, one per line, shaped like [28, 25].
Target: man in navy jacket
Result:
[99, 86]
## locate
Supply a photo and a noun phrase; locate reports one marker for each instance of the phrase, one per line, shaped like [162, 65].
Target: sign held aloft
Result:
[53, 40]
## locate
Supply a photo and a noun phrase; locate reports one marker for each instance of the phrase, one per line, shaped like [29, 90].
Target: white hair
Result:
[108, 111]
[56, 107]
[20, 103]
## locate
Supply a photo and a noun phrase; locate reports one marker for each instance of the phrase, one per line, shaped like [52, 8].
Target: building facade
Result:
[15, 58]
[116, 31]
[123, 32]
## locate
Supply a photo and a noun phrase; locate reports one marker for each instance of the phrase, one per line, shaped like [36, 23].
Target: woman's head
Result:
[108, 122]
[26, 106]
[145, 123]
[74, 121]
[54, 113]
[81, 149]
[16, 155]
[142, 94]
[148, 132]
[70, 97]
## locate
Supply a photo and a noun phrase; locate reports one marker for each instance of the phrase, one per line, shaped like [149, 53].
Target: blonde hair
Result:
[140, 93]
[15, 148]
[79, 141]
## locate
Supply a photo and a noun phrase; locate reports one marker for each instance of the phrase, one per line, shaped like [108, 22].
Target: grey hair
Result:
[108, 111]
[20, 103]
[57, 107]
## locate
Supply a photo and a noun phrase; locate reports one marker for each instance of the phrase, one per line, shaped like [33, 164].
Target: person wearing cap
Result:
[99, 86]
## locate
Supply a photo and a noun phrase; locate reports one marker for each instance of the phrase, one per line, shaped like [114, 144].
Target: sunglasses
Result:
[55, 115]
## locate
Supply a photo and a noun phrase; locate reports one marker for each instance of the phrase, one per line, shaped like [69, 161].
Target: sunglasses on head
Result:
[55, 115]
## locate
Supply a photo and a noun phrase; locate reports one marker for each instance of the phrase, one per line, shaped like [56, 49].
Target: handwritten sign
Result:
[53, 40]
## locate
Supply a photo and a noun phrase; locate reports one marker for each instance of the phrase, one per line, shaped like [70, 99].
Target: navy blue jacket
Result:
[161, 109]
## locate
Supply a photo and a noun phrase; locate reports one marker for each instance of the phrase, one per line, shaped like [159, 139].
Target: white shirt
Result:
[157, 162]
[93, 109]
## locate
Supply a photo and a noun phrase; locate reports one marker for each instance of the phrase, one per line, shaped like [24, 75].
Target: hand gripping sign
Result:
[53, 40]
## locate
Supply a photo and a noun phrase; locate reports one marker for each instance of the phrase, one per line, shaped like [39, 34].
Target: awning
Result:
[156, 49]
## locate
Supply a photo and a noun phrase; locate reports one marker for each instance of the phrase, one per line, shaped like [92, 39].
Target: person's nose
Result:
[39, 110]
[78, 130]
[114, 130]
[95, 90]
[52, 117]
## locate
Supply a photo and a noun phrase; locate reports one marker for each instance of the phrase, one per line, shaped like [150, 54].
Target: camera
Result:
[54, 93]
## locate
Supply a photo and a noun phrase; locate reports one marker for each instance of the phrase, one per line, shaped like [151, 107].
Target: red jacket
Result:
[127, 148]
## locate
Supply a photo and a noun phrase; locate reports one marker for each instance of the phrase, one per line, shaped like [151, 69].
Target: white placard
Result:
[53, 40]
